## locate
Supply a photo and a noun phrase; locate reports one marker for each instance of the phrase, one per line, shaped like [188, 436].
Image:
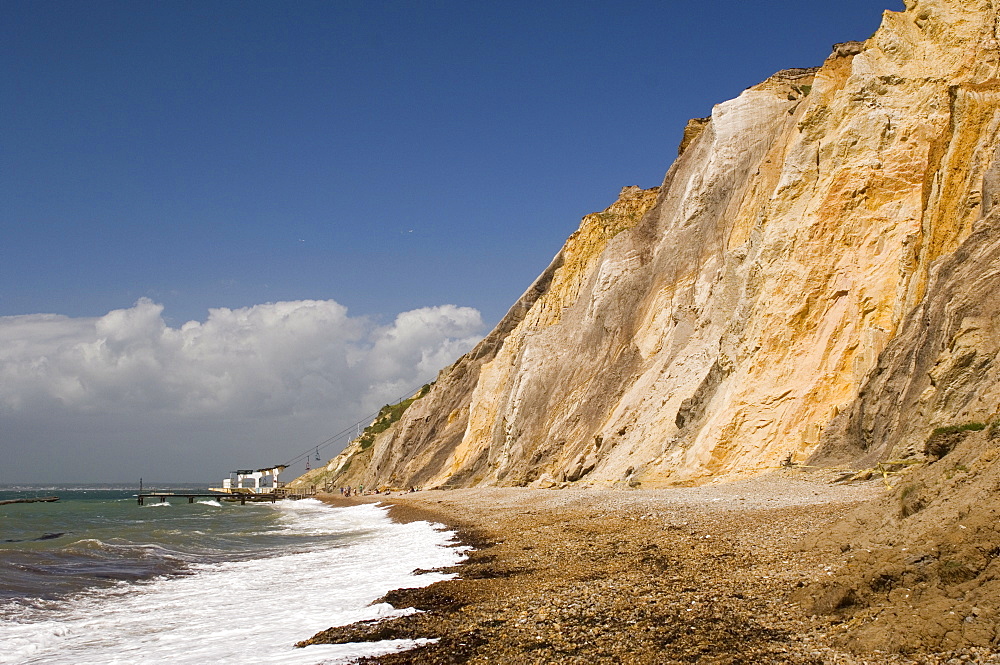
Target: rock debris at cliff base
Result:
[673, 576]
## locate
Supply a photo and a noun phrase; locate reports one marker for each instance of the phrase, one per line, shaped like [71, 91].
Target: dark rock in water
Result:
[51, 536]
[41, 499]
[44, 536]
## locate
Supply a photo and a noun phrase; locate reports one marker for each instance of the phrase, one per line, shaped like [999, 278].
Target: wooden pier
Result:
[161, 497]
[242, 497]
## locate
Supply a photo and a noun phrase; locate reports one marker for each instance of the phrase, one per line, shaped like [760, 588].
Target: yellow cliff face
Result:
[718, 324]
[581, 258]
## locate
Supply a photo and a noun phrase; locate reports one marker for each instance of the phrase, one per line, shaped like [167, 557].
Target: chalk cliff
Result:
[816, 278]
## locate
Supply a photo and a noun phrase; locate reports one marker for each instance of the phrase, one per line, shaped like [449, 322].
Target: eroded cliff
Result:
[735, 316]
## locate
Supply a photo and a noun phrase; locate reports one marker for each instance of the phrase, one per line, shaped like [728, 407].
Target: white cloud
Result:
[277, 358]
[305, 363]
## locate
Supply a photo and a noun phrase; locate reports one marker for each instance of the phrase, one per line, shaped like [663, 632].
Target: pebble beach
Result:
[711, 574]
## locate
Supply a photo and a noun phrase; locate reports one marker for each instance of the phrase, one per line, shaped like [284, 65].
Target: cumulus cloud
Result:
[126, 395]
[275, 359]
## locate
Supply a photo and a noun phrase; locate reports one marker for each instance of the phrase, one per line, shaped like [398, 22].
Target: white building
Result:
[248, 481]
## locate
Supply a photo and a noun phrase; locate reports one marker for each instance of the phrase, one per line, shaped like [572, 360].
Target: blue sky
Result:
[388, 156]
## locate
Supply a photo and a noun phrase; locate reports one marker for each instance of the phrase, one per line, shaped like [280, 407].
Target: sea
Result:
[97, 579]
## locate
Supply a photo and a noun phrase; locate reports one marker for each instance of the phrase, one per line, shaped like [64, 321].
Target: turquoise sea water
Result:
[94, 537]
[96, 578]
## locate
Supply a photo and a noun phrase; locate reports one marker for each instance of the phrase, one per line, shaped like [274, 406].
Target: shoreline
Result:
[693, 574]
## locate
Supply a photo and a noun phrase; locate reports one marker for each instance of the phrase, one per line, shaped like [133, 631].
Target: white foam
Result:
[227, 612]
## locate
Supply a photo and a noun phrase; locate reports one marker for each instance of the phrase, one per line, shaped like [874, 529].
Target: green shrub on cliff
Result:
[954, 429]
[387, 415]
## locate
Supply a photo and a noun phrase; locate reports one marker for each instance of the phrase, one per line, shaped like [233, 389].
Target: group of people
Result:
[360, 491]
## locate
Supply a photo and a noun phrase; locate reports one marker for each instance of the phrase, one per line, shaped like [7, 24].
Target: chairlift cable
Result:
[346, 431]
